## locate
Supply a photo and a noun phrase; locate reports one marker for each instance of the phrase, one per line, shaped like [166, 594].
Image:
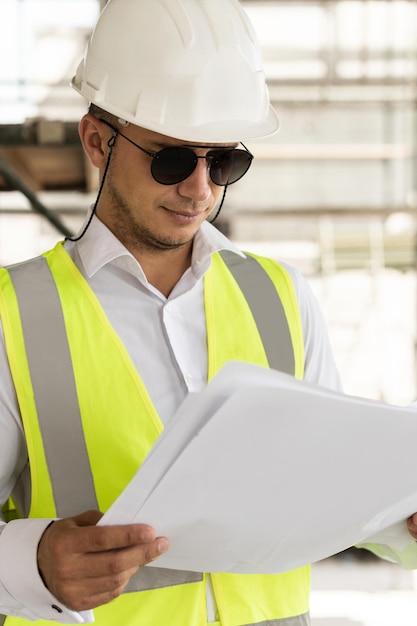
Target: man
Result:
[105, 335]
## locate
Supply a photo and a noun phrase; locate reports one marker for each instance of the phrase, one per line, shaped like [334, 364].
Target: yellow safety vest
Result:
[95, 368]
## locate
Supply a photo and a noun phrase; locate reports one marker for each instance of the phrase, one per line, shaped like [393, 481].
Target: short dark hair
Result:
[101, 114]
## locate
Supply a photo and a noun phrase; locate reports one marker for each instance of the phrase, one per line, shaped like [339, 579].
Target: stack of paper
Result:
[262, 473]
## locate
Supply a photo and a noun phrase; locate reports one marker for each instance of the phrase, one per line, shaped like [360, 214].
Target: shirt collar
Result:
[99, 247]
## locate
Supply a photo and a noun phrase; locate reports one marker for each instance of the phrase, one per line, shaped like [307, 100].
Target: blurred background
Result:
[333, 193]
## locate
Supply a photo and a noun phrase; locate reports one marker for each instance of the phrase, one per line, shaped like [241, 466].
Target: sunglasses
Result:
[174, 164]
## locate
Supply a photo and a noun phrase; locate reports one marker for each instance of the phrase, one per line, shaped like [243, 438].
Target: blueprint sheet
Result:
[261, 473]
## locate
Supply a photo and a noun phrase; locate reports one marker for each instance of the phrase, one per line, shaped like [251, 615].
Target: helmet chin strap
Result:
[110, 145]
[216, 215]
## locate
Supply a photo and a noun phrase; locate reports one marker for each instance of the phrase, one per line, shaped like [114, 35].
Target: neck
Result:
[164, 269]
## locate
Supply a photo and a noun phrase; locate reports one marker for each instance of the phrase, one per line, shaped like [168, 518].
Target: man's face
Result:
[144, 213]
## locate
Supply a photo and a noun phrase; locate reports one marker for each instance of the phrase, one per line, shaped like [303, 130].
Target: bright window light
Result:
[40, 49]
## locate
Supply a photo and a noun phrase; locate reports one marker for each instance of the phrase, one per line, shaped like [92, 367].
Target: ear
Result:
[94, 136]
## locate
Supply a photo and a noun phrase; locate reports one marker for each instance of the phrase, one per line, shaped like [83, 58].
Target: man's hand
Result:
[85, 566]
[412, 526]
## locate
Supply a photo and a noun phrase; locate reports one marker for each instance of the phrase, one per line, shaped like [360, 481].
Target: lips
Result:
[185, 214]
[189, 215]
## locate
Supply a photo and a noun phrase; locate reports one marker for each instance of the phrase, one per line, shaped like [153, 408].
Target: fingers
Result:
[82, 534]
[84, 565]
[109, 578]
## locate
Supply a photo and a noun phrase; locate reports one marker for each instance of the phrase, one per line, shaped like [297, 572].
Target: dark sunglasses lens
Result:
[228, 167]
[172, 165]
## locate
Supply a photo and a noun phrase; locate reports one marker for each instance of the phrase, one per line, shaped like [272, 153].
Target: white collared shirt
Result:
[166, 340]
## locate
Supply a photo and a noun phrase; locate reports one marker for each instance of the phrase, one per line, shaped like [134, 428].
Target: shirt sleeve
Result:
[395, 545]
[22, 592]
[320, 366]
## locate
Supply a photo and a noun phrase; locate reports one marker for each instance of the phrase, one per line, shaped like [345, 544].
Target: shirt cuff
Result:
[394, 544]
[22, 591]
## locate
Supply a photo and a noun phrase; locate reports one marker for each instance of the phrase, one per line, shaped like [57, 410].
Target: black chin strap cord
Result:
[110, 145]
[220, 206]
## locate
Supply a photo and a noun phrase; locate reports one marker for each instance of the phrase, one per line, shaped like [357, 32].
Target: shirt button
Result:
[188, 379]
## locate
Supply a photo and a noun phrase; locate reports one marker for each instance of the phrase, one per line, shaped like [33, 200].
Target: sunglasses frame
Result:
[208, 156]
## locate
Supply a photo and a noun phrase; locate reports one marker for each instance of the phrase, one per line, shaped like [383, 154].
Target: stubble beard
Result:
[132, 234]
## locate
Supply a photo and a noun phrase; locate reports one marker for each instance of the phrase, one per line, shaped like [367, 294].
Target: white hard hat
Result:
[189, 69]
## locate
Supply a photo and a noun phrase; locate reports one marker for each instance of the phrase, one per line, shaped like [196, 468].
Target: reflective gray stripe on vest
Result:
[54, 389]
[266, 307]
[2, 619]
[148, 578]
[298, 620]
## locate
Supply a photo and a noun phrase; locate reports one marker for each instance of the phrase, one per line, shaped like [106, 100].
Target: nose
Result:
[197, 185]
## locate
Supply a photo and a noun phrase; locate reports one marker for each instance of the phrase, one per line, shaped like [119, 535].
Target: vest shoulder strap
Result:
[49, 359]
[267, 309]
